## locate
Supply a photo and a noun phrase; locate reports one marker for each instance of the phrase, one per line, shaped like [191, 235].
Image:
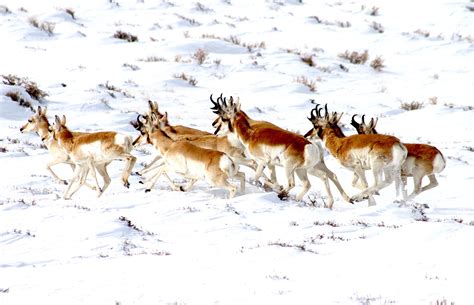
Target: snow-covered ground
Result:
[165, 247]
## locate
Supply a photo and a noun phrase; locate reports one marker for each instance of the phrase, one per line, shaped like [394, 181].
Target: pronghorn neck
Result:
[241, 126]
[160, 140]
[66, 139]
[43, 129]
[331, 139]
[338, 131]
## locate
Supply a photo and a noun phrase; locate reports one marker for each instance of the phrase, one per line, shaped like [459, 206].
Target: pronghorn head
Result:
[35, 121]
[153, 106]
[363, 127]
[144, 125]
[226, 112]
[59, 128]
[319, 122]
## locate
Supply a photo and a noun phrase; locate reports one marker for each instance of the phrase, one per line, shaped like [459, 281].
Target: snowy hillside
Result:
[165, 247]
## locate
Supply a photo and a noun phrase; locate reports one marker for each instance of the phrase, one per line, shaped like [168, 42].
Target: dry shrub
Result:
[125, 36]
[153, 59]
[16, 97]
[423, 33]
[4, 9]
[377, 27]
[190, 79]
[30, 87]
[45, 26]
[200, 56]
[355, 57]
[71, 13]
[308, 59]
[411, 106]
[311, 84]
[374, 11]
[377, 63]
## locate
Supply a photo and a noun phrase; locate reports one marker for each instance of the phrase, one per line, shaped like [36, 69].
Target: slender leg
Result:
[303, 176]
[321, 166]
[128, 169]
[58, 160]
[149, 166]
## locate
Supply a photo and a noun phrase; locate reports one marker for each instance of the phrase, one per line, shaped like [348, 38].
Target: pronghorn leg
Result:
[149, 166]
[290, 176]
[128, 169]
[58, 160]
[433, 183]
[75, 184]
[102, 169]
[241, 177]
[152, 180]
[367, 192]
[188, 186]
[417, 179]
[303, 176]
[91, 168]
[321, 166]
[222, 182]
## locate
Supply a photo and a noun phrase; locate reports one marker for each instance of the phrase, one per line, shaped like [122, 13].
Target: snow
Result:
[166, 247]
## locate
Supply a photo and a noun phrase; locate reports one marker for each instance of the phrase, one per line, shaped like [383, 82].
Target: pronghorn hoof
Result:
[377, 193]
[181, 188]
[65, 182]
[141, 182]
[135, 174]
[147, 190]
[127, 184]
[283, 195]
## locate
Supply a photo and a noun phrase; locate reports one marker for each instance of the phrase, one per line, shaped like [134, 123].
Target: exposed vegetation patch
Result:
[355, 57]
[190, 79]
[200, 56]
[45, 26]
[16, 97]
[377, 64]
[125, 36]
[414, 105]
[310, 84]
[30, 87]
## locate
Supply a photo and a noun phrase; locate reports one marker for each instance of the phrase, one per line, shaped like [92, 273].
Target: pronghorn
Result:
[422, 160]
[220, 143]
[91, 150]
[271, 145]
[380, 153]
[187, 159]
[179, 129]
[39, 123]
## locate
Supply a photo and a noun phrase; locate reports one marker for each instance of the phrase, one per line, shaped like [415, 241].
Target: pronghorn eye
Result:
[30, 121]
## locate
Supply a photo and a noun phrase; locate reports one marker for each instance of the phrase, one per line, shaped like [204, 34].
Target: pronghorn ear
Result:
[150, 105]
[39, 110]
[57, 121]
[43, 112]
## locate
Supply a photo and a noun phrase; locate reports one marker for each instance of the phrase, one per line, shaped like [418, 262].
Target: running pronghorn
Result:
[182, 157]
[268, 144]
[380, 153]
[92, 151]
[39, 123]
[183, 131]
[422, 160]
[210, 141]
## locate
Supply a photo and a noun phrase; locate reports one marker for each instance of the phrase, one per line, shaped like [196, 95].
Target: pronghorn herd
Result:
[240, 140]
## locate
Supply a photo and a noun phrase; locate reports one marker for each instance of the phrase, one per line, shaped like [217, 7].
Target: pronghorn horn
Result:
[354, 122]
[363, 119]
[326, 113]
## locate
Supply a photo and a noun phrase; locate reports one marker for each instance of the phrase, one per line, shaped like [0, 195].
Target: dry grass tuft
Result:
[190, 79]
[30, 87]
[411, 106]
[71, 13]
[311, 84]
[4, 9]
[377, 63]
[308, 59]
[355, 57]
[16, 97]
[377, 27]
[125, 36]
[47, 27]
[200, 56]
